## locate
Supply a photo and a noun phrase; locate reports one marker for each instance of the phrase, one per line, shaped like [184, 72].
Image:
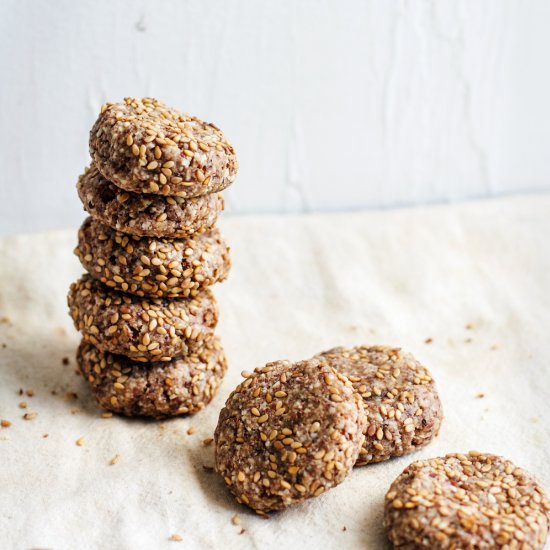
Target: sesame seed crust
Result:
[146, 215]
[287, 433]
[401, 402]
[152, 266]
[473, 501]
[144, 329]
[183, 385]
[142, 145]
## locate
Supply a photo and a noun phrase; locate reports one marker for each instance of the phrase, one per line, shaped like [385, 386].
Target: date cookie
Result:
[150, 266]
[289, 432]
[181, 386]
[400, 398]
[477, 501]
[142, 145]
[144, 329]
[146, 215]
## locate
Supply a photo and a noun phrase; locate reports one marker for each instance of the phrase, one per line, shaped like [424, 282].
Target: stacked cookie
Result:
[151, 251]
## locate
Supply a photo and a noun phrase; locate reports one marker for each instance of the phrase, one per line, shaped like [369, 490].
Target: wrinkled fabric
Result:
[464, 288]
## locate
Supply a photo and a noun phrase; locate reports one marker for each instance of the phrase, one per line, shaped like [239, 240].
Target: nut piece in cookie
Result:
[181, 386]
[142, 145]
[466, 501]
[150, 266]
[142, 329]
[289, 432]
[401, 401]
[146, 215]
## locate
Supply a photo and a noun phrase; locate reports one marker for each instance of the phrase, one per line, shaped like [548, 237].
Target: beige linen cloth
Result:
[464, 288]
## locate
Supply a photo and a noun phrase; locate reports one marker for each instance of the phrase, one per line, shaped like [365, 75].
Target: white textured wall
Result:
[330, 104]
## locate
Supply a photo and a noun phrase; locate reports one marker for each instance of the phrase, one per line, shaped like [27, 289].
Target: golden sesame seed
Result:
[236, 520]
[175, 538]
[114, 460]
[80, 441]
[5, 423]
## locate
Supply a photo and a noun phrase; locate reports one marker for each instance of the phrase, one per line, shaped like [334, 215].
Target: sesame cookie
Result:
[180, 386]
[287, 433]
[146, 215]
[400, 398]
[142, 329]
[150, 266]
[142, 145]
[474, 501]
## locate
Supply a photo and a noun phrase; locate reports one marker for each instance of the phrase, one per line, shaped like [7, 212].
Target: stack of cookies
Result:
[152, 251]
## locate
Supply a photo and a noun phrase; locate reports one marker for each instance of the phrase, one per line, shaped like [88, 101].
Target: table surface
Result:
[465, 288]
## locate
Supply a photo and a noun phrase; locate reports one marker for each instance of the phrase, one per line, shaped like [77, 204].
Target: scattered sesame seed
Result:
[175, 538]
[30, 415]
[5, 423]
[236, 520]
[207, 441]
[30, 392]
[114, 460]
[190, 430]
[428, 341]
[80, 441]
[23, 405]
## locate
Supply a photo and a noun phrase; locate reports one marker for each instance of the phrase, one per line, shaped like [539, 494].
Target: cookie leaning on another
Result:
[289, 432]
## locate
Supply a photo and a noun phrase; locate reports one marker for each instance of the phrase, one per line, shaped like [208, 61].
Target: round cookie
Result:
[400, 398]
[142, 145]
[287, 433]
[142, 329]
[152, 266]
[181, 386]
[474, 501]
[146, 215]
